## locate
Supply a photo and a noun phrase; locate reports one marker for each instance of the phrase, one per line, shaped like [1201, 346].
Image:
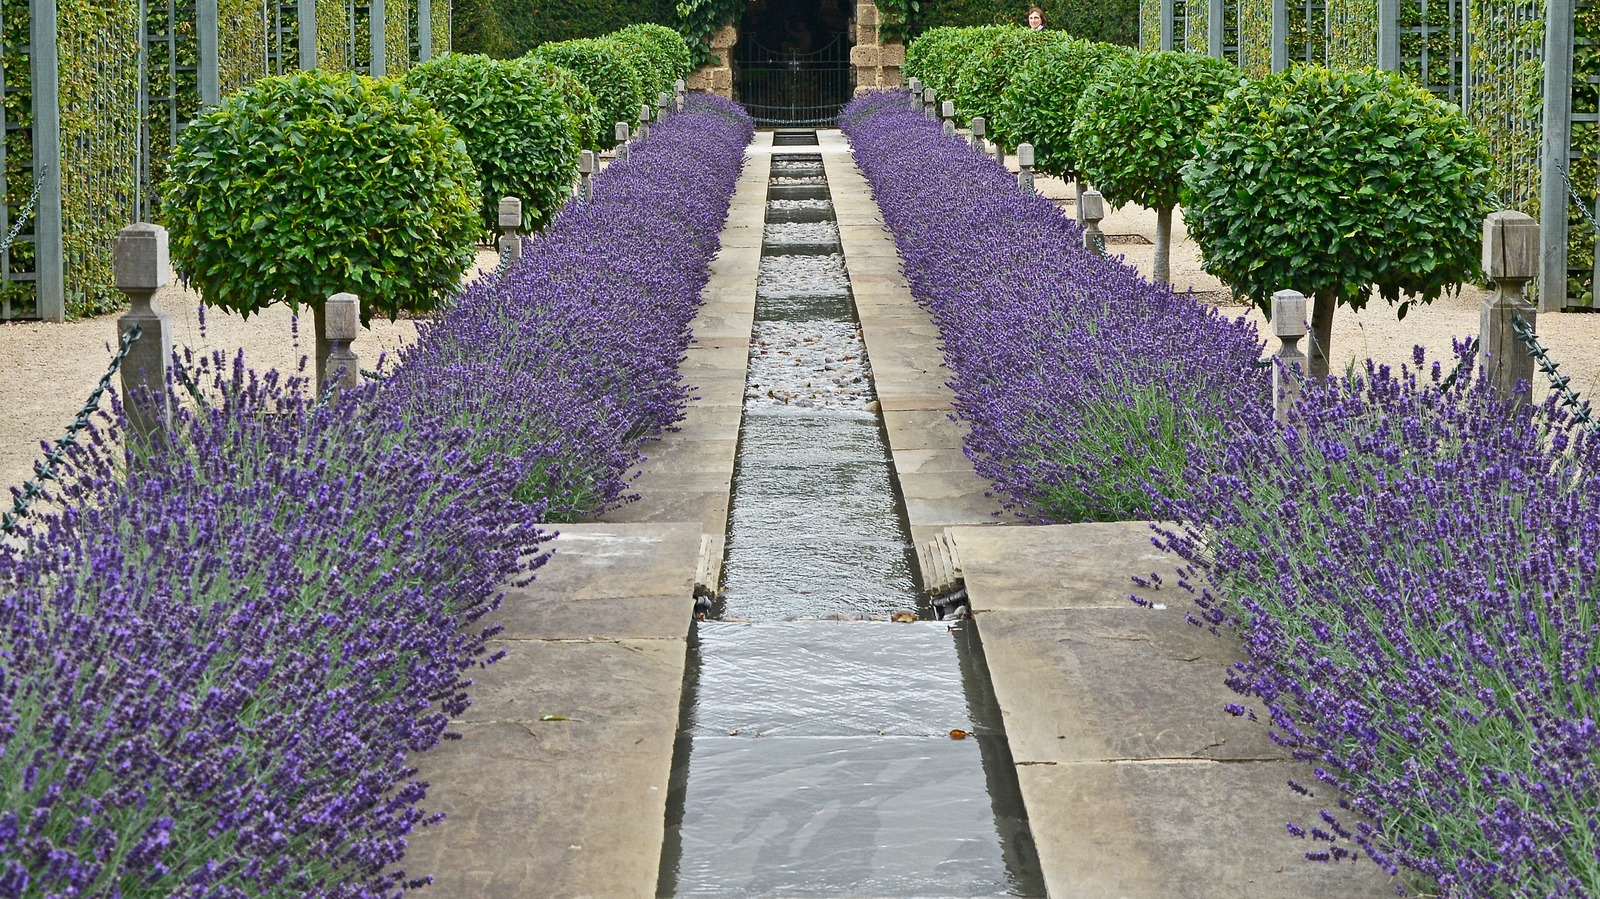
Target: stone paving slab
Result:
[1137, 782]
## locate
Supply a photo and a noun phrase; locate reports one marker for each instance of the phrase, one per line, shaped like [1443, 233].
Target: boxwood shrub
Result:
[988, 69]
[937, 54]
[516, 126]
[304, 185]
[604, 67]
[1040, 104]
[660, 54]
[583, 113]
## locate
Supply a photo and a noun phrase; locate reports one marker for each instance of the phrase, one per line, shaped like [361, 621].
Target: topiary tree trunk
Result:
[1161, 274]
[1324, 302]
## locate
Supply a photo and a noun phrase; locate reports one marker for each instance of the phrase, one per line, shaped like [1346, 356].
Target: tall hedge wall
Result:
[1112, 21]
[509, 28]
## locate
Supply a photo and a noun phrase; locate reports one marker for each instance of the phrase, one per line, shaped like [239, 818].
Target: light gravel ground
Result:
[47, 370]
[1573, 338]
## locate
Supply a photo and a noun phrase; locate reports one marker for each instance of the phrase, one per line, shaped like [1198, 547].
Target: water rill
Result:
[836, 740]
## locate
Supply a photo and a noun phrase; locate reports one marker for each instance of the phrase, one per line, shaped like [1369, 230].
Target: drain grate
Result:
[794, 138]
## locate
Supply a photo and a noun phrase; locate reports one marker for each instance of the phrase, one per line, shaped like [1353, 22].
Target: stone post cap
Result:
[1288, 313]
[1025, 154]
[622, 132]
[947, 109]
[510, 212]
[342, 316]
[916, 86]
[679, 86]
[586, 162]
[644, 112]
[978, 123]
[928, 96]
[140, 259]
[1510, 246]
[1093, 206]
[663, 100]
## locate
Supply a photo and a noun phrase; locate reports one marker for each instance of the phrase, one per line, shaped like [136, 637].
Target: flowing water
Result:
[815, 756]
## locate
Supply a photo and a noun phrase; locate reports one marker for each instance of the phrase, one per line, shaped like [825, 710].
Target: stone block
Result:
[699, 79]
[891, 77]
[1065, 566]
[867, 15]
[892, 54]
[864, 56]
[725, 37]
[722, 81]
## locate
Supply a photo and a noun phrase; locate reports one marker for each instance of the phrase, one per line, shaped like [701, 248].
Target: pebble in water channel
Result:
[808, 365]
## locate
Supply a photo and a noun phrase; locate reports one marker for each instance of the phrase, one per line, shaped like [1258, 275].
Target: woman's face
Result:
[1035, 20]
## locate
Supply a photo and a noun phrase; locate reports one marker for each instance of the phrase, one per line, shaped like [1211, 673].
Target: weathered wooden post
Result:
[915, 87]
[644, 121]
[1025, 167]
[1289, 363]
[930, 103]
[947, 111]
[979, 125]
[663, 105]
[1092, 209]
[622, 141]
[342, 312]
[510, 225]
[586, 170]
[680, 94]
[139, 265]
[1510, 260]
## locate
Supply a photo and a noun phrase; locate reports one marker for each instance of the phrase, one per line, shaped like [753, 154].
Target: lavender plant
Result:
[218, 654]
[1083, 382]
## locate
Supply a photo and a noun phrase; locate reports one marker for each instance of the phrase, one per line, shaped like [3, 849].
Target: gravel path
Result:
[47, 370]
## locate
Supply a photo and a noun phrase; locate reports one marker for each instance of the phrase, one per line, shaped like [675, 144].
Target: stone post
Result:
[1025, 166]
[622, 141]
[930, 101]
[663, 104]
[999, 154]
[586, 171]
[979, 124]
[342, 313]
[1289, 364]
[947, 111]
[644, 121]
[680, 92]
[1092, 208]
[1510, 260]
[139, 265]
[510, 225]
[915, 87]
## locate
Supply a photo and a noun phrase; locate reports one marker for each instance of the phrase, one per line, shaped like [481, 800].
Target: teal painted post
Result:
[1555, 153]
[1168, 15]
[306, 17]
[50, 288]
[376, 31]
[1389, 35]
[1280, 35]
[206, 74]
[1214, 29]
[424, 30]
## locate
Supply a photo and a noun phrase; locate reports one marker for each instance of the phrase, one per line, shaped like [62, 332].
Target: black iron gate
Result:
[788, 88]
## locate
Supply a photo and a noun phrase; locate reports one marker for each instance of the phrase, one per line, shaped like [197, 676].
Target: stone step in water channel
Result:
[835, 739]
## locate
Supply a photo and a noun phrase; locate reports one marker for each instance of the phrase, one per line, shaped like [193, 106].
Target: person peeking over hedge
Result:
[1036, 18]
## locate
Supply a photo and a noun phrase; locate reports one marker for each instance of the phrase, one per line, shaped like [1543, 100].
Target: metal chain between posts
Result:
[1582, 206]
[1558, 381]
[27, 210]
[46, 470]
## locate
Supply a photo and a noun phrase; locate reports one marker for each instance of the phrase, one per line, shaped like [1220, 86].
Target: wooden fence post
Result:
[586, 169]
[50, 288]
[140, 267]
[510, 226]
[978, 124]
[1091, 210]
[1553, 157]
[1510, 260]
[947, 111]
[1025, 167]
[342, 313]
[622, 141]
[930, 101]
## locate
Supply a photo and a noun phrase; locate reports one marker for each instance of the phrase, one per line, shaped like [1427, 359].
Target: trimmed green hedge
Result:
[660, 54]
[1112, 21]
[983, 77]
[508, 28]
[604, 67]
[1040, 104]
[516, 126]
[936, 56]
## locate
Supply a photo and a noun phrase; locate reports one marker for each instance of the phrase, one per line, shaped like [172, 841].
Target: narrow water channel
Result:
[815, 755]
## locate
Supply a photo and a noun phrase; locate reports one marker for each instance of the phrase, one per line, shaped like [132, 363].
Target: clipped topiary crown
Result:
[936, 55]
[1139, 119]
[1336, 182]
[305, 185]
[583, 113]
[604, 68]
[516, 127]
[660, 53]
[988, 69]
[1040, 104]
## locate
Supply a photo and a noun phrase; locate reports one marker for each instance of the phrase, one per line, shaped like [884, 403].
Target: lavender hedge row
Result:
[1411, 566]
[1082, 381]
[218, 654]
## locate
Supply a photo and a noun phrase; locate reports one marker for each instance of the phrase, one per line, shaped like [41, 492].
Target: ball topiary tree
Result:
[604, 68]
[936, 55]
[988, 69]
[658, 51]
[305, 185]
[582, 112]
[1336, 183]
[1136, 129]
[1040, 104]
[517, 127]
